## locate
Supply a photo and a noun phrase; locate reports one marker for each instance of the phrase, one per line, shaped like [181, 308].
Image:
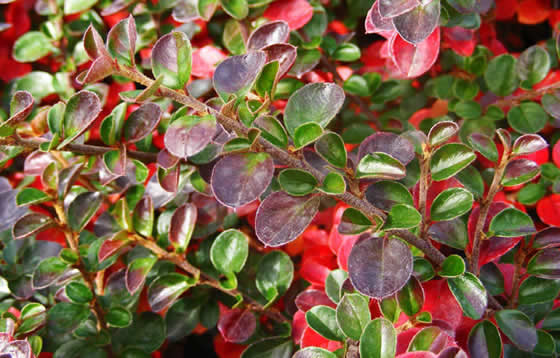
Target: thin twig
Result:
[526, 96]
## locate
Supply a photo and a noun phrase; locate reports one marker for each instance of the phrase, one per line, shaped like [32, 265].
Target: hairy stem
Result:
[529, 95]
[483, 213]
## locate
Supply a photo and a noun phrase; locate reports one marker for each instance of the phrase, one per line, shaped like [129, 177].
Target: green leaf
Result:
[545, 264]
[357, 85]
[533, 66]
[111, 127]
[546, 345]
[171, 58]
[402, 216]
[78, 292]
[453, 266]
[411, 297]
[267, 78]
[485, 341]
[518, 328]
[390, 308]
[80, 113]
[379, 340]
[535, 290]
[385, 193]
[331, 148]
[352, 315]
[76, 6]
[511, 222]
[314, 102]
[229, 251]
[33, 316]
[184, 315]
[121, 41]
[238, 9]
[449, 160]
[275, 273]
[353, 222]
[528, 117]
[347, 52]
[31, 196]
[272, 130]
[450, 204]
[380, 165]
[484, 145]
[143, 217]
[470, 294]
[520, 171]
[166, 289]
[501, 75]
[48, 271]
[333, 284]
[118, 317]
[270, 348]
[423, 269]
[32, 46]
[65, 317]
[333, 184]
[441, 132]
[297, 182]
[425, 339]
[306, 134]
[322, 319]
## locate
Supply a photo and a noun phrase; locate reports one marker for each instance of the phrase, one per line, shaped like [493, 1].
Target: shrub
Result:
[295, 177]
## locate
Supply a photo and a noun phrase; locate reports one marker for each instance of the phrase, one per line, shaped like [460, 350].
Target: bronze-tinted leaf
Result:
[182, 226]
[141, 122]
[239, 179]
[189, 135]
[236, 74]
[121, 41]
[285, 54]
[81, 111]
[171, 58]
[281, 218]
[30, 224]
[396, 146]
[274, 32]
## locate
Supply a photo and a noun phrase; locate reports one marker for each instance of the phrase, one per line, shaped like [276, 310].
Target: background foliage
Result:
[336, 178]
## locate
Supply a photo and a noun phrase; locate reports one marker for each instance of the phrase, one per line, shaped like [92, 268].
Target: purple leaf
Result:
[396, 146]
[99, 69]
[238, 179]
[136, 273]
[189, 135]
[121, 41]
[528, 143]
[237, 325]
[275, 32]
[377, 24]
[81, 111]
[141, 122]
[236, 74]
[166, 289]
[112, 245]
[20, 107]
[281, 218]
[182, 226]
[549, 237]
[93, 44]
[30, 224]
[171, 57]
[417, 24]
[379, 267]
[392, 8]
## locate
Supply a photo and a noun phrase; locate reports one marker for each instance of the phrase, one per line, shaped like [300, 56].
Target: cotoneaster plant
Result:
[298, 178]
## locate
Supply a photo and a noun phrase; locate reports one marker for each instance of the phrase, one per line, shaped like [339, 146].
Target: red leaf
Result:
[204, 61]
[237, 325]
[532, 12]
[296, 13]
[441, 303]
[548, 209]
[460, 40]
[556, 154]
[412, 60]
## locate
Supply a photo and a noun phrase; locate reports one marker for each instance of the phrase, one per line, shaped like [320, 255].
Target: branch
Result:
[231, 124]
[529, 95]
[431, 252]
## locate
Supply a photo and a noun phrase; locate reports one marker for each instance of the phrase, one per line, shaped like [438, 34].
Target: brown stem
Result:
[231, 124]
[204, 279]
[431, 252]
[516, 281]
[423, 191]
[483, 213]
[529, 95]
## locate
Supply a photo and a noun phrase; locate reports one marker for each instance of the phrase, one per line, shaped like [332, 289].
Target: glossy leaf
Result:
[306, 134]
[352, 315]
[441, 132]
[81, 111]
[536, 290]
[314, 352]
[484, 340]
[281, 218]
[384, 194]
[48, 272]
[331, 148]
[520, 171]
[414, 60]
[449, 160]
[238, 179]
[237, 74]
[518, 328]
[182, 226]
[416, 25]
[171, 58]
[545, 264]
[333, 184]
[379, 340]
[428, 339]
[411, 297]
[166, 289]
[394, 145]
[111, 127]
[30, 196]
[402, 216]
[141, 122]
[549, 237]
[450, 204]
[237, 325]
[275, 273]
[322, 319]
[453, 266]
[31, 224]
[511, 222]
[297, 182]
[269, 33]
[533, 65]
[118, 317]
[528, 143]
[391, 9]
[470, 294]
[121, 41]
[484, 145]
[136, 273]
[269, 348]
[314, 102]
[379, 267]
[143, 217]
[229, 251]
[82, 209]
[380, 166]
[21, 106]
[272, 130]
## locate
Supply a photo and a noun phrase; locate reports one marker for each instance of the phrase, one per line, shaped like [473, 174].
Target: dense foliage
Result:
[316, 179]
